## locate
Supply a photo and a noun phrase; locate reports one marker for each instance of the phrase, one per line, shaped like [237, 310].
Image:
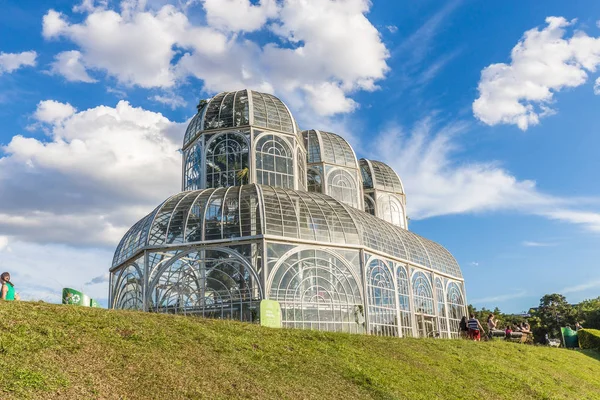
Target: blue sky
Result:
[497, 147]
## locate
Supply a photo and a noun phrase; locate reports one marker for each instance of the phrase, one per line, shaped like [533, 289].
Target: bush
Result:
[589, 339]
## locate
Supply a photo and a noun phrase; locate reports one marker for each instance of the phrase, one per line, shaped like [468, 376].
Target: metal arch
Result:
[173, 214]
[301, 248]
[198, 193]
[226, 250]
[235, 130]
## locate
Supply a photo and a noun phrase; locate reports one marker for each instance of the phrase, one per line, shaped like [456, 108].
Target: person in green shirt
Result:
[8, 289]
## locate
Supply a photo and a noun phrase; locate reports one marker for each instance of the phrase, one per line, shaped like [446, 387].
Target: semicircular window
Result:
[227, 161]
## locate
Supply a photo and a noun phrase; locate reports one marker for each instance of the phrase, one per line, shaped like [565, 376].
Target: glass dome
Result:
[241, 108]
[329, 148]
[377, 175]
[253, 210]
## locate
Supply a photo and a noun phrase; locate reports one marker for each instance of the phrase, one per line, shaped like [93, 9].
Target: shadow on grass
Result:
[590, 353]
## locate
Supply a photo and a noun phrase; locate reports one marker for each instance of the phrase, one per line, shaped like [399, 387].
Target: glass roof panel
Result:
[236, 212]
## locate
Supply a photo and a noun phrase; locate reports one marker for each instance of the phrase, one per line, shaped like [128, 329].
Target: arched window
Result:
[456, 307]
[441, 308]
[193, 167]
[383, 320]
[422, 294]
[214, 284]
[227, 161]
[315, 183]
[423, 304]
[369, 205]
[274, 162]
[317, 290]
[390, 210]
[342, 187]
[128, 292]
[404, 302]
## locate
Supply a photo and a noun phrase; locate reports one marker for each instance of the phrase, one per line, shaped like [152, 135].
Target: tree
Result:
[553, 312]
[588, 313]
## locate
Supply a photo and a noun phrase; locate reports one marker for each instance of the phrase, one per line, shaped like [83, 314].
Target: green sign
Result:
[72, 296]
[570, 338]
[270, 313]
[94, 303]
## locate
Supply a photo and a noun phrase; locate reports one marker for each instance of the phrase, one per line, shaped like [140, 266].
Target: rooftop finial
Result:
[201, 104]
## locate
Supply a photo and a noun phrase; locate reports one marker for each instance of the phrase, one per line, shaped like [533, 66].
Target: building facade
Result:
[269, 211]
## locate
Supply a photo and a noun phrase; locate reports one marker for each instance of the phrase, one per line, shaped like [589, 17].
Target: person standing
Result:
[8, 289]
[491, 323]
[475, 328]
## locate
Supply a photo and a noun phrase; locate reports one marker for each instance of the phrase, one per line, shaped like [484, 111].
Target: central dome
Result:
[241, 108]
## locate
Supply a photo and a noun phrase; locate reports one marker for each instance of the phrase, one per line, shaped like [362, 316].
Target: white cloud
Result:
[328, 46]
[69, 65]
[170, 99]
[10, 62]
[543, 63]
[392, 28]
[100, 170]
[597, 86]
[474, 263]
[239, 15]
[53, 112]
[104, 278]
[3, 243]
[580, 288]
[528, 243]
[436, 184]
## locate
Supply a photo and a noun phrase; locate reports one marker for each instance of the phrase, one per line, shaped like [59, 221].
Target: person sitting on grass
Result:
[507, 332]
[8, 289]
[475, 328]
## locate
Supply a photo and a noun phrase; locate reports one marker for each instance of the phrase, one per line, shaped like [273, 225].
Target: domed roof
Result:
[328, 147]
[253, 210]
[241, 108]
[377, 175]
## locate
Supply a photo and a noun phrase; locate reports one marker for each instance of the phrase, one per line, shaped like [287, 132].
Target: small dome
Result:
[241, 108]
[377, 175]
[328, 147]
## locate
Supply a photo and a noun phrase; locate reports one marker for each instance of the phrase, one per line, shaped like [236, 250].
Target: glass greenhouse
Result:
[269, 211]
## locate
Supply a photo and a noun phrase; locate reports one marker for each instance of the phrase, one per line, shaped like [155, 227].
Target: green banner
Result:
[94, 303]
[570, 338]
[270, 313]
[72, 296]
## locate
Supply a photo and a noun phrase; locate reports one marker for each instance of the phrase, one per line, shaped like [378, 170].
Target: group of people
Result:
[7, 292]
[473, 329]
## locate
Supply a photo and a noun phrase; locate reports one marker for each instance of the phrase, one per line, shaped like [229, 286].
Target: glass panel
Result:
[383, 320]
[227, 161]
[316, 290]
[274, 162]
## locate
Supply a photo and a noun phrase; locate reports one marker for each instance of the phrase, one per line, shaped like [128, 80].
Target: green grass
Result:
[67, 352]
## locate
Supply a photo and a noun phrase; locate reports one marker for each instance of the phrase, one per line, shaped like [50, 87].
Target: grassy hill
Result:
[52, 351]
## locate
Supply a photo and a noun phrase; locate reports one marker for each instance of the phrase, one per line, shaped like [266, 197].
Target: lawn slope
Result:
[67, 352]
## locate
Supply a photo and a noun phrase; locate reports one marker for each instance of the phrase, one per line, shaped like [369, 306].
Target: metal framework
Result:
[245, 228]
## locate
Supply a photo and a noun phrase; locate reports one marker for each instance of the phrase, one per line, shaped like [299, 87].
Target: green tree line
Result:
[552, 313]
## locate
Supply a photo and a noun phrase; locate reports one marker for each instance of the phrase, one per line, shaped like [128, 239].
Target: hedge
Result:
[589, 339]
